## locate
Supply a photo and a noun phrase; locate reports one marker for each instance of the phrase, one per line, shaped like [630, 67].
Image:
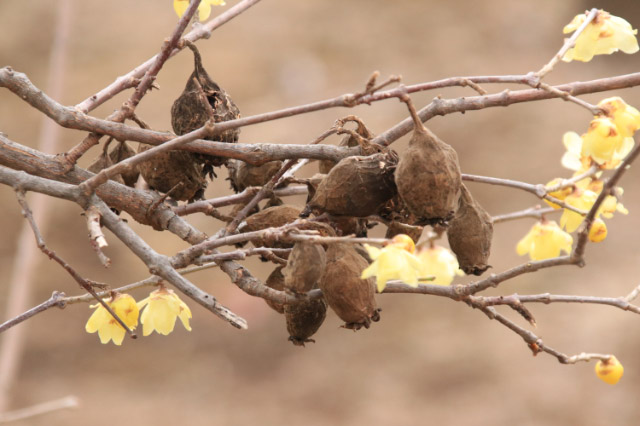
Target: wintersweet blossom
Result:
[582, 199]
[440, 263]
[544, 241]
[611, 205]
[609, 371]
[603, 141]
[573, 158]
[602, 36]
[395, 261]
[161, 309]
[625, 117]
[204, 8]
[560, 194]
[598, 231]
[107, 327]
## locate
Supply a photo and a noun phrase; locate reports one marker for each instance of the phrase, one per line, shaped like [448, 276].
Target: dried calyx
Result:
[202, 99]
[106, 159]
[305, 267]
[357, 186]
[173, 172]
[470, 233]
[304, 319]
[428, 175]
[350, 297]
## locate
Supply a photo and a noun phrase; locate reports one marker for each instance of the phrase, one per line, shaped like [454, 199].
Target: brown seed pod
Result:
[356, 186]
[305, 267]
[243, 175]
[174, 170]
[189, 112]
[428, 176]
[101, 162]
[469, 235]
[351, 297]
[396, 227]
[276, 282]
[304, 319]
[267, 218]
[349, 140]
[122, 152]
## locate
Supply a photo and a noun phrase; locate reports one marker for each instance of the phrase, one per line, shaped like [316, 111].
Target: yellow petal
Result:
[180, 6]
[598, 231]
[610, 371]
[204, 10]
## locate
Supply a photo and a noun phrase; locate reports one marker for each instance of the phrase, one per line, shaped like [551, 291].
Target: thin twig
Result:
[56, 299]
[96, 237]
[128, 108]
[71, 118]
[84, 283]
[127, 80]
[546, 298]
[536, 212]
[583, 233]
[538, 190]
[536, 344]
[568, 44]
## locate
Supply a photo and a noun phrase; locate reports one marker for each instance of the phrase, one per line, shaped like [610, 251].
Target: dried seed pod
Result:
[174, 170]
[276, 282]
[351, 297]
[243, 175]
[323, 229]
[356, 186]
[305, 267]
[469, 235]
[101, 162]
[304, 319]
[428, 176]
[267, 218]
[349, 140]
[347, 225]
[122, 152]
[189, 112]
[396, 227]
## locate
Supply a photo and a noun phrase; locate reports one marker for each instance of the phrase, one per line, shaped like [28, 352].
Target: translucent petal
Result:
[373, 252]
[180, 6]
[97, 319]
[440, 263]
[204, 10]
[574, 24]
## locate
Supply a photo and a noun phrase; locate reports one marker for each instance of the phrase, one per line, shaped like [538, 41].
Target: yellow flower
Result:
[163, 307]
[609, 371]
[107, 327]
[544, 241]
[560, 194]
[602, 36]
[611, 205]
[602, 141]
[393, 262]
[582, 199]
[573, 158]
[625, 117]
[439, 262]
[598, 231]
[204, 8]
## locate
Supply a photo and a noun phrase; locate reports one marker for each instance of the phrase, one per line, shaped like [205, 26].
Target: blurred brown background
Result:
[429, 361]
